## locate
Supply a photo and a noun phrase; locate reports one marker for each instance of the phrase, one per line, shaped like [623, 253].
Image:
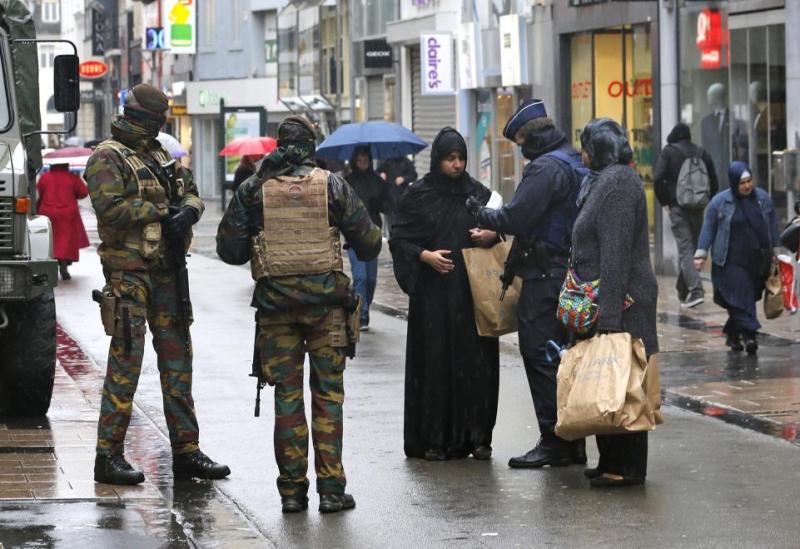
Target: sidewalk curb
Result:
[732, 416]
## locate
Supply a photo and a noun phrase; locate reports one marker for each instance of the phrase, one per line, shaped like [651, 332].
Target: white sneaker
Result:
[692, 302]
[364, 328]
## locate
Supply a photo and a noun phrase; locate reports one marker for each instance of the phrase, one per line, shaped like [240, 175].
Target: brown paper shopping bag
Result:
[484, 266]
[601, 388]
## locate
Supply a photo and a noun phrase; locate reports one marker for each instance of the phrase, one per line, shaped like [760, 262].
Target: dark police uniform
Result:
[540, 216]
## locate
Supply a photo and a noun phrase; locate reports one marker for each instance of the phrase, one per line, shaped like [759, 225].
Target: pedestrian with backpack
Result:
[685, 182]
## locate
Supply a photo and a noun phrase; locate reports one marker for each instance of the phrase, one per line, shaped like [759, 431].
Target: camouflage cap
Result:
[147, 96]
[297, 128]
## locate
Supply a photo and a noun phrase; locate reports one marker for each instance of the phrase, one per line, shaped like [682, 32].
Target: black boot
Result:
[62, 269]
[333, 503]
[115, 469]
[197, 465]
[750, 344]
[550, 450]
[578, 451]
[733, 341]
[294, 504]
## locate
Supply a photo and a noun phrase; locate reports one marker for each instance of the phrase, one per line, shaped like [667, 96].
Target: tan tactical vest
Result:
[145, 239]
[297, 239]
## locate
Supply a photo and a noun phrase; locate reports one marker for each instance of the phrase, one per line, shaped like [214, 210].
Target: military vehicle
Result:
[28, 272]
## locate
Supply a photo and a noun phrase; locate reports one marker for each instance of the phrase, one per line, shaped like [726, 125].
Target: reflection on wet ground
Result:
[46, 462]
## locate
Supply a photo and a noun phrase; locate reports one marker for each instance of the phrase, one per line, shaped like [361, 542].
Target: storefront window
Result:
[612, 76]
[505, 149]
[287, 52]
[484, 138]
[582, 96]
[308, 47]
[370, 17]
[733, 91]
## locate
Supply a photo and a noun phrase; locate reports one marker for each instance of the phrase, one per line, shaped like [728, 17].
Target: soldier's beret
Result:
[148, 97]
[529, 110]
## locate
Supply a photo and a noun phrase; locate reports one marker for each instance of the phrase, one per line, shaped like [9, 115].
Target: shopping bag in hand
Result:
[493, 317]
[601, 388]
[773, 293]
[787, 267]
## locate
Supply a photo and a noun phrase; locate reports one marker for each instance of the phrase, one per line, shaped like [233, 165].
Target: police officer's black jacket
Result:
[544, 204]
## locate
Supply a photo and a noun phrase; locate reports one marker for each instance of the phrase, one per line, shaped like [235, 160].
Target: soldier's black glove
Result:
[179, 222]
[474, 206]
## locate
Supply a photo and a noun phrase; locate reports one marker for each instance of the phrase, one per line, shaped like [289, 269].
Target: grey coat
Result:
[610, 241]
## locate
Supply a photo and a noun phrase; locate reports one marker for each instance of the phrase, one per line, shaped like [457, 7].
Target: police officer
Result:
[286, 221]
[540, 216]
[145, 209]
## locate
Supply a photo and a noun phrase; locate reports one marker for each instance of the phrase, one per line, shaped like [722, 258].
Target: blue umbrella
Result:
[384, 139]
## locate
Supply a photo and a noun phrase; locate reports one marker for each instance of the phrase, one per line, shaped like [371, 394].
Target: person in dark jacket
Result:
[540, 216]
[685, 222]
[610, 242]
[374, 193]
[399, 173]
[741, 231]
[452, 373]
[246, 168]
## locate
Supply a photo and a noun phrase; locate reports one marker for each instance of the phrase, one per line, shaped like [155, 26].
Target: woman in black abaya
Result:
[452, 374]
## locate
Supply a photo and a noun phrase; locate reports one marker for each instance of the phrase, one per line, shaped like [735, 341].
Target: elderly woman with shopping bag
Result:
[610, 263]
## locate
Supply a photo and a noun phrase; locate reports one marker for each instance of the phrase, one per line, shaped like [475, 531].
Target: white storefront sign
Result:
[513, 51]
[469, 56]
[180, 25]
[436, 61]
[203, 96]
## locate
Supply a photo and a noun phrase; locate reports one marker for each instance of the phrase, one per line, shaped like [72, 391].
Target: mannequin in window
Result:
[718, 133]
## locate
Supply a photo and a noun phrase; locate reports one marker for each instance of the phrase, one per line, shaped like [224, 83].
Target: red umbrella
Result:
[68, 152]
[245, 146]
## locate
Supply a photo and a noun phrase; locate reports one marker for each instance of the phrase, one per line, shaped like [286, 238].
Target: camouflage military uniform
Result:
[130, 203]
[302, 314]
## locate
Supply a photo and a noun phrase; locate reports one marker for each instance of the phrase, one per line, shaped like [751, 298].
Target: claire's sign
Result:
[436, 62]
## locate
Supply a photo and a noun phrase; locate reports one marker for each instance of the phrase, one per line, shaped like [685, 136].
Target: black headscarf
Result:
[606, 144]
[448, 141]
[680, 132]
[429, 206]
[748, 203]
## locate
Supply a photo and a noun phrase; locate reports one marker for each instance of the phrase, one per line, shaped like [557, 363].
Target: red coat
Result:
[59, 191]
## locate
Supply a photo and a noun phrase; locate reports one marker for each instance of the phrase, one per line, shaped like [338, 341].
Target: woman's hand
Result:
[699, 263]
[438, 260]
[483, 237]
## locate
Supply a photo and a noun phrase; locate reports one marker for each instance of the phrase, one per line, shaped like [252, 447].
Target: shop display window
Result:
[612, 76]
[733, 93]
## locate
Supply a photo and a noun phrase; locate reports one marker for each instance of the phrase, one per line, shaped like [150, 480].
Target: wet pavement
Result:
[710, 484]
[699, 373]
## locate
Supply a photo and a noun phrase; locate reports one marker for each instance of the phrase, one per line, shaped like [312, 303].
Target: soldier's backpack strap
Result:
[131, 158]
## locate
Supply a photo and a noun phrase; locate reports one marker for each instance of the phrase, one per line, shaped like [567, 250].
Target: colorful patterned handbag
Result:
[577, 303]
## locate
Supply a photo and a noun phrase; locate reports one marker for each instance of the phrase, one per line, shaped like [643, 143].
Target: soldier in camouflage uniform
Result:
[145, 210]
[286, 221]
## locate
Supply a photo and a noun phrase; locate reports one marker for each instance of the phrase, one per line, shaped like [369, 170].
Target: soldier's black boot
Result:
[550, 450]
[197, 465]
[114, 469]
[333, 503]
[294, 504]
[578, 451]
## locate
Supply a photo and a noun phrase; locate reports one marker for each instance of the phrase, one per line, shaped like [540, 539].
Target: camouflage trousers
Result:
[284, 339]
[149, 297]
